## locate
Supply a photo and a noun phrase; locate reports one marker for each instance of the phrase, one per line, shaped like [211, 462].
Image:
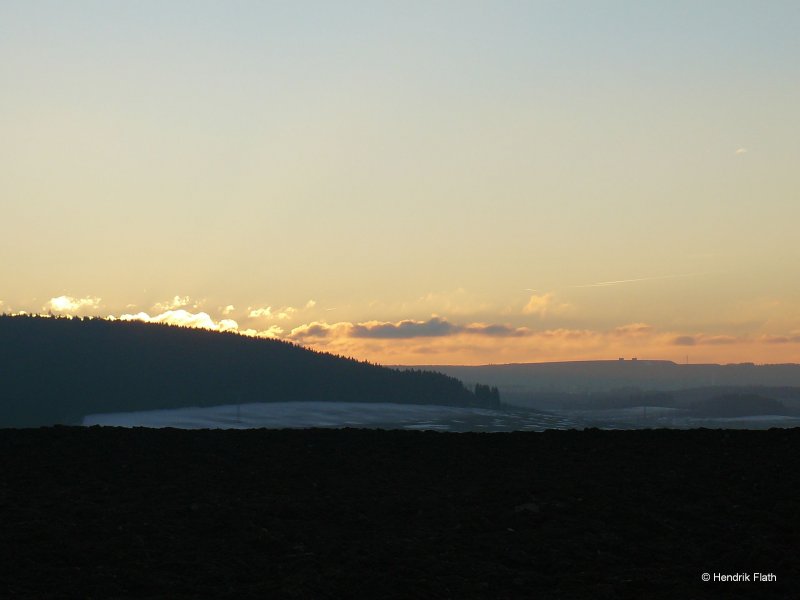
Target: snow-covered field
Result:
[673, 418]
[277, 415]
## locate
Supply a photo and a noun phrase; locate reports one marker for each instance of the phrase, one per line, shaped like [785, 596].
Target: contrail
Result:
[607, 283]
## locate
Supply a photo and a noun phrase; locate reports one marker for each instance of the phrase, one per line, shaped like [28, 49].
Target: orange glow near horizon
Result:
[440, 341]
[468, 352]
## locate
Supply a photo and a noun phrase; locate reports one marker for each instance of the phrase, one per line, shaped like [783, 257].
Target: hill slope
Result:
[55, 370]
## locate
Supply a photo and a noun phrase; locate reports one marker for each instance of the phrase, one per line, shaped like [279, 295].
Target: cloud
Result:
[568, 334]
[496, 330]
[273, 332]
[260, 313]
[227, 325]
[184, 318]
[282, 314]
[434, 327]
[175, 302]
[468, 339]
[544, 304]
[69, 305]
[438, 340]
[320, 330]
[412, 341]
[719, 340]
[538, 305]
[633, 329]
[438, 327]
[702, 339]
[792, 338]
[740, 151]
[202, 320]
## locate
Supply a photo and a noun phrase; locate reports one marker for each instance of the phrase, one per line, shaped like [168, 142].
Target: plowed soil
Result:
[144, 513]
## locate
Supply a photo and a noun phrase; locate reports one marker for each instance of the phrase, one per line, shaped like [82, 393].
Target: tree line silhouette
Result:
[57, 370]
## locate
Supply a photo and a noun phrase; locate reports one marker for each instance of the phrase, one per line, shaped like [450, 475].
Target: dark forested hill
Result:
[56, 370]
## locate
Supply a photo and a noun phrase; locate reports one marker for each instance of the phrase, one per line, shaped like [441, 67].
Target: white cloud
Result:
[740, 151]
[282, 314]
[200, 320]
[544, 304]
[286, 313]
[259, 313]
[228, 309]
[227, 325]
[537, 305]
[185, 318]
[175, 302]
[273, 332]
[69, 305]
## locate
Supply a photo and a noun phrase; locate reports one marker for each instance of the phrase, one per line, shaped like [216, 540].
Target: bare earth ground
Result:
[144, 513]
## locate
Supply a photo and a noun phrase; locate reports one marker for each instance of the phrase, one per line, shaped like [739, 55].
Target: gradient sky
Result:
[411, 182]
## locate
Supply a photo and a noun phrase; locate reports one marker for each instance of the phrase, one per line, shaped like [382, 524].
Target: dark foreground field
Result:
[104, 513]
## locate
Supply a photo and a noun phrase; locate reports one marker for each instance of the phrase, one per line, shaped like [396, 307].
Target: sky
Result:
[411, 182]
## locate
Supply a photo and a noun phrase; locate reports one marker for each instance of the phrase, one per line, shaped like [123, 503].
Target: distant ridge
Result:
[609, 375]
[724, 390]
[56, 370]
